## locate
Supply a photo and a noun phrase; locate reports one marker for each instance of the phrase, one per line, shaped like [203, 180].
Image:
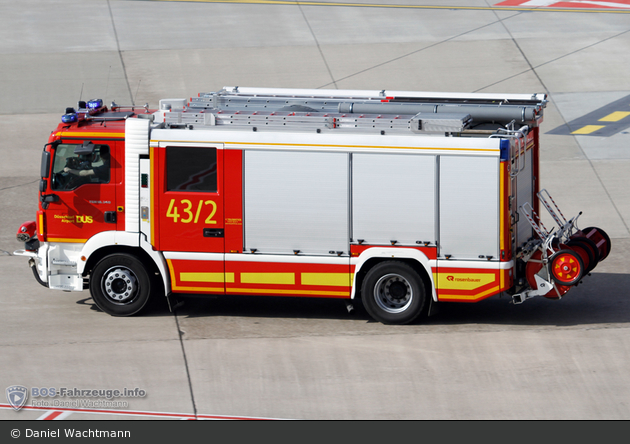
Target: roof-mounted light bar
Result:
[87, 109]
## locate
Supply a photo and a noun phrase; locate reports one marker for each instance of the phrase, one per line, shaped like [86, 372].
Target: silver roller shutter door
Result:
[296, 201]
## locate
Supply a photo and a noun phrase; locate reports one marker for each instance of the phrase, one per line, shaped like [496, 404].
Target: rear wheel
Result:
[393, 293]
[120, 285]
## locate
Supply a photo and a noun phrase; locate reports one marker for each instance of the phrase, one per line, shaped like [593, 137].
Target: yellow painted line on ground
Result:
[588, 129]
[268, 278]
[386, 6]
[615, 117]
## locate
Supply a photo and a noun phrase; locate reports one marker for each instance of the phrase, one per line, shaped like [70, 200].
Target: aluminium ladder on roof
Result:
[265, 108]
[521, 108]
[309, 121]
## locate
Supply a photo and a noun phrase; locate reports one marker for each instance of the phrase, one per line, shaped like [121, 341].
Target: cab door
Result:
[190, 199]
[188, 215]
[82, 187]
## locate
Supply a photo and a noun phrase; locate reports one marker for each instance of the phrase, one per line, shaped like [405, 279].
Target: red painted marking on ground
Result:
[52, 415]
[139, 413]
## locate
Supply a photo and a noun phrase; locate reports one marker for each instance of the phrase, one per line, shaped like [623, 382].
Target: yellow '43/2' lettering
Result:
[188, 215]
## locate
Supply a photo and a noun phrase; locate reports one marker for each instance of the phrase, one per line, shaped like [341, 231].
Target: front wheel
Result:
[393, 293]
[120, 285]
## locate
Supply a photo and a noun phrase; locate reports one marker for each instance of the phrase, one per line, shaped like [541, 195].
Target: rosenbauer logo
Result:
[462, 279]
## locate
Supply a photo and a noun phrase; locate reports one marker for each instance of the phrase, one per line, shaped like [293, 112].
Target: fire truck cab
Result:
[403, 199]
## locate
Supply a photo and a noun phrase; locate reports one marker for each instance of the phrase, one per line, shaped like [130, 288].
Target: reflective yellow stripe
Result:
[268, 278]
[458, 297]
[502, 189]
[41, 225]
[207, 277]
[332, 279]
[63, 239]
[275, 291]
[86, 135]
[200, 289]
[152, 190]
[463, 281]
[238, 144]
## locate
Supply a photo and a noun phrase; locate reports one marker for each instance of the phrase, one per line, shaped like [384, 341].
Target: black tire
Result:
[120, 285]
[393, 293]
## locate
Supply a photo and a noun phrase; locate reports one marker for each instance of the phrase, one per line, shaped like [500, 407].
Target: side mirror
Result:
[45, 164]
[47, 198]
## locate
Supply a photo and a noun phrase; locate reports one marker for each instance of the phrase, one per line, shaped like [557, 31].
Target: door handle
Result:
[213, 232]
[110, 217]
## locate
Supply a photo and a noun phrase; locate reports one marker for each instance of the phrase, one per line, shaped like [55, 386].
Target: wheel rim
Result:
[566, 267]
[120, 285]
[393, 293]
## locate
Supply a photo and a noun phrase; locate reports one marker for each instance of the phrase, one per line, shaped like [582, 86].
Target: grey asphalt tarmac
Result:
[310, 359]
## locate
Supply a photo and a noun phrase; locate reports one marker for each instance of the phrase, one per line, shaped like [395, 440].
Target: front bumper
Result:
[54, 265]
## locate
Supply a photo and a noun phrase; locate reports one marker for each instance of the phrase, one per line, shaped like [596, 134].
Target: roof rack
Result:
[267, 108]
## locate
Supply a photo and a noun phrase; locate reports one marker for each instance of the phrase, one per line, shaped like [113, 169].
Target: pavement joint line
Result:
[122, 61]
[319, 48]
[424, 48]
[553, 60]
[531, 67]
[180, 334]
[22, 184]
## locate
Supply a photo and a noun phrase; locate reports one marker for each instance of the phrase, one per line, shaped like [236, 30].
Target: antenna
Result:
[107, 84]
[80, 96]
[133, 102]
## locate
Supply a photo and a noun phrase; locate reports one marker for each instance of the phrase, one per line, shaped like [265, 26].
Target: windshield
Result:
[72, 170]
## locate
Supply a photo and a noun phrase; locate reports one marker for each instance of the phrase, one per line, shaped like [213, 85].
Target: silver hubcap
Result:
[120, 284]
[393, 293]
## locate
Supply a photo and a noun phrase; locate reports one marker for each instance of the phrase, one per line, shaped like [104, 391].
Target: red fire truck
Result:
[403, 199]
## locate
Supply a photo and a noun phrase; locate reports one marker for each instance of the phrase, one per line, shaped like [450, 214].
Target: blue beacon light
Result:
[95, 104]
[70, 116]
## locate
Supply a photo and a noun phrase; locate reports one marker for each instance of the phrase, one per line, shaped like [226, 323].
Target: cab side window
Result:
[72, 169]
[191, 169]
